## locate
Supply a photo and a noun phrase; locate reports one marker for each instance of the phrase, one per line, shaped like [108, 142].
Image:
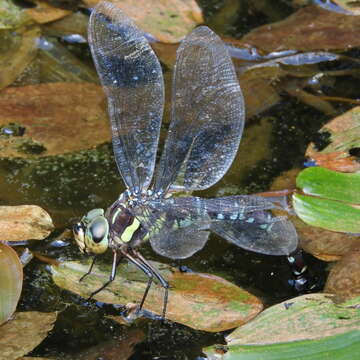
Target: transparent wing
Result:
[259, 231]
[132, 79]
[207, 115]
[179, 227]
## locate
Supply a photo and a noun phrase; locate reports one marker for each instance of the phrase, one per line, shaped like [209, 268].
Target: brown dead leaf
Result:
[310, 28]
[344, 277]
[24, 222]
[167, 20]
[24, 332]
[58, 118]
[344, 134]
[201, 301]
[44, 13]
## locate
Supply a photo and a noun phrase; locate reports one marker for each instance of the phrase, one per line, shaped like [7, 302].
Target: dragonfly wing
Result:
[260, 232]
[174, 231]
[132, 79]
[178, 227]
[207, 115]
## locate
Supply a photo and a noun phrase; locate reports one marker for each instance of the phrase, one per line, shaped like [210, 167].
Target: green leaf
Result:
[201, 301]
[318, 181]
[309, 327]
[329, 214]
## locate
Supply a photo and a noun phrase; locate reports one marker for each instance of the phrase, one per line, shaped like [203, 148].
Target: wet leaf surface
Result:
[310, 28]
[340, 135]
[58, 118]
[201, 301]
[24, 332]
[307, 327]
[324, 244]
[44, 12]
[24, 222]
[344, 277]
[11, 279]
[21, 51]
[167, 21]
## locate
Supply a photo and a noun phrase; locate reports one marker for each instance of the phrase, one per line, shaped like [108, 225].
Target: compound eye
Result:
[98, 229]
[78, 228]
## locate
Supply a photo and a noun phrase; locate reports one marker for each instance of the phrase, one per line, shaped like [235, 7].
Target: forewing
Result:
[207, 115]
[178, 227]
[132, 79]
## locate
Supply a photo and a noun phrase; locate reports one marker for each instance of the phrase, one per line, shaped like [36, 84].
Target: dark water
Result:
[67, 186]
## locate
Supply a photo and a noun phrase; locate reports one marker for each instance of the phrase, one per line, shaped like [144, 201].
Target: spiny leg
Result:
[89, 271]
[115, 264]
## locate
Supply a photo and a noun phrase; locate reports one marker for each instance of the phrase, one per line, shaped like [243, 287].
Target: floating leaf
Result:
[24, 332]
[330, 200]
[168, 21]
[341, 135]
[20, 53]
[307, 327]
[321, 182]
[46, 112]
[310, 28]
[344, 277]
[324, 244]
[201, 301]
[11, 279]
[24, 222]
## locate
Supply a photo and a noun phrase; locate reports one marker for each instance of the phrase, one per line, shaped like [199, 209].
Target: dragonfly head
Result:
[92, 232]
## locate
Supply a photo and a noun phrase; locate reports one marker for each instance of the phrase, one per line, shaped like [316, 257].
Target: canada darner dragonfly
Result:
[207, 120]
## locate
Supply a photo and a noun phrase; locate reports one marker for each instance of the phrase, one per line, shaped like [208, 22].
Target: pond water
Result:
[67, 186]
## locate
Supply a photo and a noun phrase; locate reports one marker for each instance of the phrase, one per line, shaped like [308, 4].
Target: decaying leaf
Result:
[12, 16]
[11, 278]
[44, 12]
[24, 332]
[344, 277]
[24, 222]
[310, 28]
[201, 301]
[21, 52]
[168, 21]
[58, 118]
[342, 134]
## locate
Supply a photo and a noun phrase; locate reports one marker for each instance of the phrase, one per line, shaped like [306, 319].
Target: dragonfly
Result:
[207, 121]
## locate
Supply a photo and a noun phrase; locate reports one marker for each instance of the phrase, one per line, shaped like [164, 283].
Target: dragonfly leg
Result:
[138, 260]
[115, 263]
[162, 281]
[89, 271]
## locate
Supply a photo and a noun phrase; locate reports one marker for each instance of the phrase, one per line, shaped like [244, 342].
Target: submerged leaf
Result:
[201, 301]
[24, 332]
[168, 21]
[310, 28]
[44, 13]
[11, 278]
[344, 277]
[307, 327]
[24, 222]
[58, 118]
